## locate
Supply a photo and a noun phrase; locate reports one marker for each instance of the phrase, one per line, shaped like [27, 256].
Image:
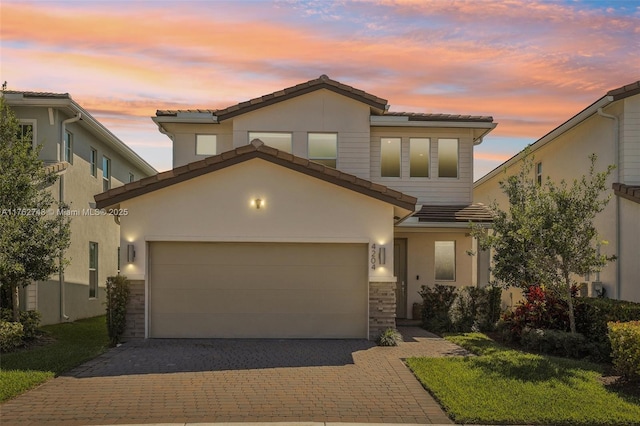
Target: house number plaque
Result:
[373, 256]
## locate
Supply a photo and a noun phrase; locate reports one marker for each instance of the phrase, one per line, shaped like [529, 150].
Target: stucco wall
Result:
[630, 250]
[420, 260]
[217, 207]
[566, 157]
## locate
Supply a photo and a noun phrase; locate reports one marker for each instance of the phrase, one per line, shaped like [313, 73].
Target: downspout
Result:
[616, 144]
[63, 313]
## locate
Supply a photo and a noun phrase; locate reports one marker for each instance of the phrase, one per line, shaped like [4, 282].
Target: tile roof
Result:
[416, 116]
[625, 91]
[28, 94]
[630, 192]
[454, 213]
[322, 82]
[256, 149]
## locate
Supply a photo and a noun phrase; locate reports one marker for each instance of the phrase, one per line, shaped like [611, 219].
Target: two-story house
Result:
[89, 160]
[610, 128]
[312, 211]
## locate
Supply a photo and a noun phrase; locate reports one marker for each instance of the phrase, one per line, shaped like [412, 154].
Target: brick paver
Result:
[157, 381]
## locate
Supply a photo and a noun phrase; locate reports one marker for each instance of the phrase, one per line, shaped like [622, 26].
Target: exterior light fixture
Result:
[257, 203]
[382, 255]
[131, 253]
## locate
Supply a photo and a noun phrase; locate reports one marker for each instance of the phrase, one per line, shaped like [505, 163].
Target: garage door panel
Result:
[258, 290]
[260, 325]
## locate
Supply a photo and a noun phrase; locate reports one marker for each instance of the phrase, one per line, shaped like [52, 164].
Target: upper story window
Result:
[419, 157]
[323, 148]
[93, 162]
[539, 173]
[68, 147]
[106, 173]
[27, 131]
[390, 157]
[280, 141]
[448, 158]
[206, 144]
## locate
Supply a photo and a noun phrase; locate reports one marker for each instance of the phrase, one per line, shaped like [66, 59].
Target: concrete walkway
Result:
[197, 381]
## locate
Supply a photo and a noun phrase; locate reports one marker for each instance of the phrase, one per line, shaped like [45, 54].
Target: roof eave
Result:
[564, 127]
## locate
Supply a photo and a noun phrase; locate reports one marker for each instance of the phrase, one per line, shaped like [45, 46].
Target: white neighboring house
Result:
[89, 159]
[312, 211]
[610, 128]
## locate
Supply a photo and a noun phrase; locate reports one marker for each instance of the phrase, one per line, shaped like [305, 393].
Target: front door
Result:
[400, 271]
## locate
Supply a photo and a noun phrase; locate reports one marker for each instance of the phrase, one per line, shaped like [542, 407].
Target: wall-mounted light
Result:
[257, 203]
[382, 255]
[131, 253]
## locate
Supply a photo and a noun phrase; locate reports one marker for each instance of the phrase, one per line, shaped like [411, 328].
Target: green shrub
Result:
[555, 342]
[476, 309]
[30, 321]
[625, 344]
[11, 335]
[390, 337]
[117, 299]
[592, 316]
[436, 303]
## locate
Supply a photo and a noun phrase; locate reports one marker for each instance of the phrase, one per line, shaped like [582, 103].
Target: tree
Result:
[33, 233]
[547, 235]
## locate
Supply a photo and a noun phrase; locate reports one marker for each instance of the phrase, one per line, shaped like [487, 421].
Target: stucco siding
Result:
[184, 140]
[630, 250]
[421, 260]
[567, 157]
[630, 136]
[217, 207]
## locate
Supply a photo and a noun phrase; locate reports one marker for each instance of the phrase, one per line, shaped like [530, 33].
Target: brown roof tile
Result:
[256, 149]
[417, 116]
[625, 91]
[454, 213]
[28, 94]
[630, 192]
[322, 82]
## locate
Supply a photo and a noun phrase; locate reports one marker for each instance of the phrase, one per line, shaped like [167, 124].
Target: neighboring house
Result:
[308, 212]
[89, 159]
[610, 128]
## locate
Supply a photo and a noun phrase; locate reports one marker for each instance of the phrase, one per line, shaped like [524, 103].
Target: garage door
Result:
[263, 290]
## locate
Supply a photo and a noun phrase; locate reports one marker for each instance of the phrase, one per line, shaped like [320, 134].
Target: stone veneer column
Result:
[134, 328]
[382, 307]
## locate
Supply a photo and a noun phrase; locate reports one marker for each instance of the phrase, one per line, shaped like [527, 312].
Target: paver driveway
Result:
[239, 381]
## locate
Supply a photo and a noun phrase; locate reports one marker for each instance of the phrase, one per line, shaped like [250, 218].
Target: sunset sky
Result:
[529, 64]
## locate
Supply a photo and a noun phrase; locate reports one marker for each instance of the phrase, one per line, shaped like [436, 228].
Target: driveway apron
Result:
[222, 380]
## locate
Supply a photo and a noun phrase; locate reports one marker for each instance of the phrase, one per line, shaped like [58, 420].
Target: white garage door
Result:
[263, 290]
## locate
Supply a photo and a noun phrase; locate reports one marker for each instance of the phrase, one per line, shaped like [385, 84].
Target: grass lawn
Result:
[75, 343]
[506, 386]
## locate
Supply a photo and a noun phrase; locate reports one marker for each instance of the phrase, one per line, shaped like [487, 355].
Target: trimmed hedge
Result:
[117, 299]
[447, 308]
[11, 335]
[555, 342]
[625, 345]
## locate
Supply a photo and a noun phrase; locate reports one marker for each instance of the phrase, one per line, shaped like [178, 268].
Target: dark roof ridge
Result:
[255, 149]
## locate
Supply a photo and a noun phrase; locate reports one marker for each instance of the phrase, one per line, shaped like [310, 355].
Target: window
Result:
[448, 158]
[27, 130]
[93, 270]
[445, 260]
[419, 157]
[131, 177]
[539, 173]
[390, 157]
[93, 162]
[206, 144]
[323, 148]
[280, 141]
[68, 147]
[106, 173]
